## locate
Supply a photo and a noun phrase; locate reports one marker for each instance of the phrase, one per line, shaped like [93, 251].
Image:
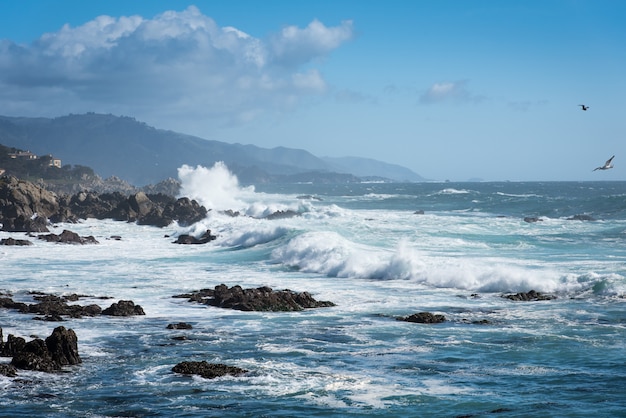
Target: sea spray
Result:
[216, 188]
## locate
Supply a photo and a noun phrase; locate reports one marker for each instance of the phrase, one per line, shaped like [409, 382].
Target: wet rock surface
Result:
[207, 370]
[255, 299]
[50, 355]
[529, 296]
[423, 318]
[27, 207]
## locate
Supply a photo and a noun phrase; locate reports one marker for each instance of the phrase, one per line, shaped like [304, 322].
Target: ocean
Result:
[379, 251]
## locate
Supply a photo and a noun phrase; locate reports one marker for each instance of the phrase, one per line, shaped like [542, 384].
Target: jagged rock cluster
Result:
[258, 299]
[26, 207]
[58, 350]
[54, 308]
[531, 295]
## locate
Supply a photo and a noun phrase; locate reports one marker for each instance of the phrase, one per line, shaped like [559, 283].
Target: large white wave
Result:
[331, 254]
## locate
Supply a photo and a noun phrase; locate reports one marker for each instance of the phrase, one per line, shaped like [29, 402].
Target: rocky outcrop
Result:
[68, 237]
[169, 187]
[207, 370]
[123, 308]
[529, 296]
[58, 350]
[424, 318]
[26, 207]
[55, 308]
[259, 299]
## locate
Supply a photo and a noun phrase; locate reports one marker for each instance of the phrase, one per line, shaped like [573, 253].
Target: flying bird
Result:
[606, 165]
[583, 107]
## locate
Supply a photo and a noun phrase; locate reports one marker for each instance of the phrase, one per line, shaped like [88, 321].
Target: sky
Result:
[451, 89]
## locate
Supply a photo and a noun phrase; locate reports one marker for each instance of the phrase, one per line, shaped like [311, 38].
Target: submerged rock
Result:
[582, 217]
[15, 242]
[180, 325]
[207, 370]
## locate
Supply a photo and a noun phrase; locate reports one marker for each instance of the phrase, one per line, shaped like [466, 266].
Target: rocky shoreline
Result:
[27, 207]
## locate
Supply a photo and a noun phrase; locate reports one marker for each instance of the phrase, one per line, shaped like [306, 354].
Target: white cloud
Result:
[449, 91]
[295, 46]
[176, 66]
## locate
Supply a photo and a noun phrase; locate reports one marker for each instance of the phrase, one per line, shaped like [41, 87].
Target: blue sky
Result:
[453, 90]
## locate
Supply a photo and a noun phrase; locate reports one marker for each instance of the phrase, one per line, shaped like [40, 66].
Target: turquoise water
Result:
[364, 247]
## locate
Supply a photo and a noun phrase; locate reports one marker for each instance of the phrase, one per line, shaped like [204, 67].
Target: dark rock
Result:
[12, 346]
[8, 370]
[49, 318]
[91, 310]
[35, 356]
[532, 219]
[16, 242]
[282, 214]
[180, 338]
[259, 299]
[68, 237]
[189, 239]
[531, 295]
[180, 325]
[60, 349]
[207, 370]
[53, 307]
[423, 318]
[581, 218]
[418, 212]
[62, 345]
[123, 308]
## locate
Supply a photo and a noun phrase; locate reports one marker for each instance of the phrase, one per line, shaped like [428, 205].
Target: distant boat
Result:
[583, 107]
[606, 165]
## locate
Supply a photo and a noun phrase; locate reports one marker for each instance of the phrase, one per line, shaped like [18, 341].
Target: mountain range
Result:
[123, 147]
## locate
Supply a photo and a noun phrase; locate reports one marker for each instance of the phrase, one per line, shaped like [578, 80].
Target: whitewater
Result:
[379, 251]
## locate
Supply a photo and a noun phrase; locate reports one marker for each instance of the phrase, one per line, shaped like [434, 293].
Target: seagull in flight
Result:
[583, 107]
[606, 165]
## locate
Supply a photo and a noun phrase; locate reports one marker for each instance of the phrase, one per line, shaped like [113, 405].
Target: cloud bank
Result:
[178, 64]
